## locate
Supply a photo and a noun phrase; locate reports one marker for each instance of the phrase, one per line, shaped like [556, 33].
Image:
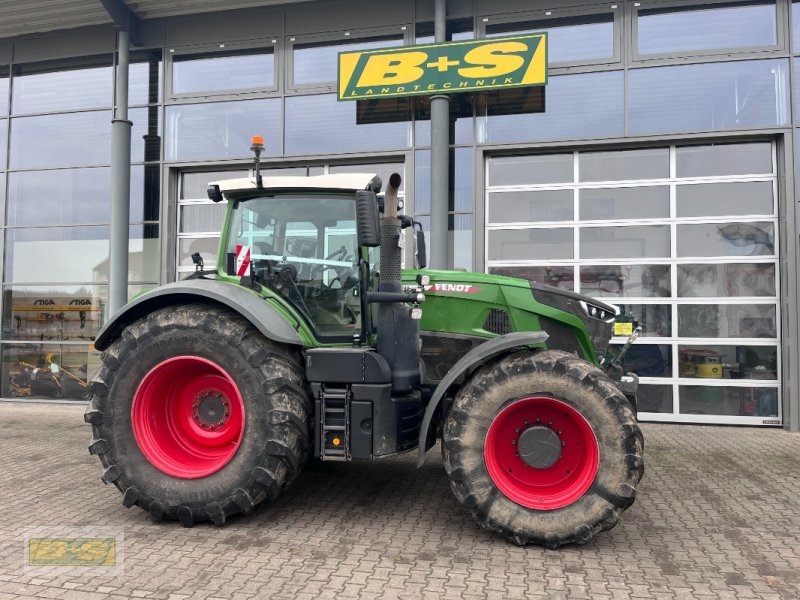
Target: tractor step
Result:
[334, 426]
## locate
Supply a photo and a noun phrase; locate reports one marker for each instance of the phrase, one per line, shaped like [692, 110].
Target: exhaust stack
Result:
[398, 332]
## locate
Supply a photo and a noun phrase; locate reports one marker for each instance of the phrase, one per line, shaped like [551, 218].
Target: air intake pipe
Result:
[398, 332]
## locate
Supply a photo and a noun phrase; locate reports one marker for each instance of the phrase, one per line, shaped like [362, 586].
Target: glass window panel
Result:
[646, 360]
[719, 199]
[728, 320]
[726, 400]
[2, 196]
[320, 124]
[217, 72]
[422, 181]
[461, 121]
[48, 371]
[67, 140]
[194, 186]
[316, 63]
[201, 218]
[144, 78]
[575, 39]
[463, 196]
[705, 97]
[54, 312]
[3, 142]
[654, 398]
[633, 281]
[730, 279]
[707, 27]
[530, 206]
[728, 362]
[568, 115]
[724, 159]
[460, 241]
[654, 319]
[222, 129]
[456, 30]
[145, 134]
[425, 221]
[531, 244]
[558, 276]
[531, 169]
[638, 241]
[612, 204]
[3, 96]
[726, 239]
[207, 247]
[650, 163]
[62, 90]
[383, 170]
[77, 254]
[795, 26]
[77, 196]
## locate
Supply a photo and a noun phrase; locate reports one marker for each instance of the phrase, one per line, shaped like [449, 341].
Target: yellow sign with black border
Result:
[486, 64]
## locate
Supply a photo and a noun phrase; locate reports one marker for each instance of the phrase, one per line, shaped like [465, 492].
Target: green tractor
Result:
[309, 340]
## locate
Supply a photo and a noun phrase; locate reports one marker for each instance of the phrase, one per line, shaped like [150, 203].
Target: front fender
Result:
[247, 303]
[470, 361]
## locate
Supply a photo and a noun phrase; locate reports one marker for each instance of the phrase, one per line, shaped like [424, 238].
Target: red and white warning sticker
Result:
[242, 260]
[457, 288]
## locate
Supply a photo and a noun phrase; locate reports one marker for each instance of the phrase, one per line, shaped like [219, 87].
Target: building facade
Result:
[658, 172]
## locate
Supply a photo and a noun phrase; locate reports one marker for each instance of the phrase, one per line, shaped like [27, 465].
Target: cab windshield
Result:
[304, 247]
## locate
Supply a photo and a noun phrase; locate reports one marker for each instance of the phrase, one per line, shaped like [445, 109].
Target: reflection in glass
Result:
[144, 77]
[721, 199]
[545, 205]
[728, 320]
[637, 241]
[217, 72]
[316, 63]
[646, 360]
[728, 362]
[2, 195]
[651, 202]
[48, 370]
[77, 196]
[68, 140]
[531, 169]
[654, 319]
[726, 239]
[633, 281]
[383, 170]
[706, 27]
[568, 115]
[730, 279]
[649, 163]
[460, 241]
[61, 90]
[795, 26]
[194, 186]
[726, 400]
[222, 129]
[3, 93]
[320, 124]
[461, 113]
[724, 159]
[3, 142]
[201, 218]
[530, 244]
[206, 246]
[77, 254]
[708, 97]
[654, 398]
[461, 182]
[558, 276]
[573, 39]
[145, 134]
[53, 312]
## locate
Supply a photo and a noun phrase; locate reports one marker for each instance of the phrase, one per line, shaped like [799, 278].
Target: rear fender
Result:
[271, 323]
[467, 363]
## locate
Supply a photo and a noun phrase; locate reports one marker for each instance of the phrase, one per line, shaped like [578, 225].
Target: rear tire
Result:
[579, 414]
[150, 408]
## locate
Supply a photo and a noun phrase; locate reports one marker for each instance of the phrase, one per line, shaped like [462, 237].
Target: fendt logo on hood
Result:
[456, 288]
[497, 63]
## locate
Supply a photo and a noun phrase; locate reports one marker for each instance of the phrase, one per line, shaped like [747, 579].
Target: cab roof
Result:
[337, 181]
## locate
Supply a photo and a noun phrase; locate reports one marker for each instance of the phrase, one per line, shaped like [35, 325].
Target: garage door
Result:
[683, 239]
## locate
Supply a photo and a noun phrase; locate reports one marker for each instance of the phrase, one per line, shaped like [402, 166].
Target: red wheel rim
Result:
[548, 486]
[188, 417]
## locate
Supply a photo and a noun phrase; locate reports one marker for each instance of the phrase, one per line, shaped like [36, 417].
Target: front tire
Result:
[543, 449]
[196, 416]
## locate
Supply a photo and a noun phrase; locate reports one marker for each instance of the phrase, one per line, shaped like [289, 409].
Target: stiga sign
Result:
[485, 64]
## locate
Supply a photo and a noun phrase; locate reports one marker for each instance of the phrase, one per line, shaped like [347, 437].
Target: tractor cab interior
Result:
[304, 246]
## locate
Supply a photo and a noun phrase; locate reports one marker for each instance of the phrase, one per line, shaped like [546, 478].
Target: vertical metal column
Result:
[440, 156]
[120, 182]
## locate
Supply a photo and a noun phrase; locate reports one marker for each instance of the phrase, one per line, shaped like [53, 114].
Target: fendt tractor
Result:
[309, 340]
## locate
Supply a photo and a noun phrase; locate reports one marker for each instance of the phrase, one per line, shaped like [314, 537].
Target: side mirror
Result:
[368, 225]
[422, 258]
